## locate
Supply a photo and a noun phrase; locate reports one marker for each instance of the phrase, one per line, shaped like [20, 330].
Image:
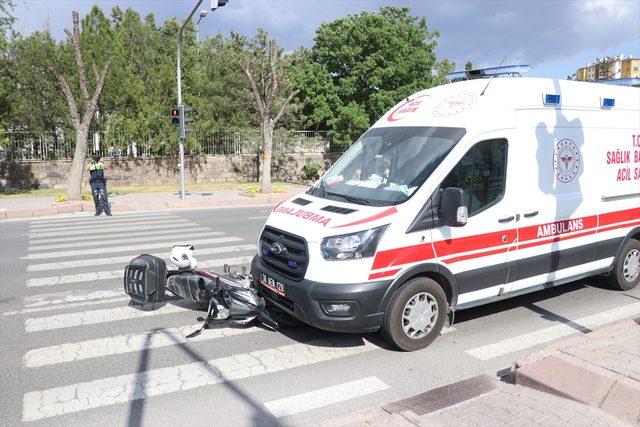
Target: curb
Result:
[84, 206]
[557, 371]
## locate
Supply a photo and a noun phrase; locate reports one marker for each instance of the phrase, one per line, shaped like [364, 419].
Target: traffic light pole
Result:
[182, 125]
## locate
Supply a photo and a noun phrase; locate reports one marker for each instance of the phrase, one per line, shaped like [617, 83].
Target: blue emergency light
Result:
[607, 102]
[551, 99]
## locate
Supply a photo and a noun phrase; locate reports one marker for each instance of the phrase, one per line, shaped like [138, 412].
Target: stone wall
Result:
[143, 171]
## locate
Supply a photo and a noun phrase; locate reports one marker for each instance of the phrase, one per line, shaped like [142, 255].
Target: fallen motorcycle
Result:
[227, 296]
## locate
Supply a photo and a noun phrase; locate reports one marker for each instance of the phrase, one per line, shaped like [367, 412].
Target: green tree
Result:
[374, 60]
[6, 22]
[468, 66]
[34, 97]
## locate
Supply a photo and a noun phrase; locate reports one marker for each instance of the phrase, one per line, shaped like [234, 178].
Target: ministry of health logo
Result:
[566, 160]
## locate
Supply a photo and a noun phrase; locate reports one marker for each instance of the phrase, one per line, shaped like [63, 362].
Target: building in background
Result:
[612, 68]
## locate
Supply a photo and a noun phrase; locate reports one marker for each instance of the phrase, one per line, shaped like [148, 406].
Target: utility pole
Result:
[214, 5]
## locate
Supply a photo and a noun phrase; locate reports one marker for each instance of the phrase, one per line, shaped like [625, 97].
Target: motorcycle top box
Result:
[145, 278]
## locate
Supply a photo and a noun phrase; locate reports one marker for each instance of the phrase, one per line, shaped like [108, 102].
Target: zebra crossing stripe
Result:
[129, 343]
[169, 231]
[545, 335]
[92, 317]
[129, 248]
[108, 224]
[100, 221]
[112, 274]
[114, 229]
[119, 241]
[124, 388]
[69, 297]
[65, 306]
[325, 396]
[91, 219]
[126, 258]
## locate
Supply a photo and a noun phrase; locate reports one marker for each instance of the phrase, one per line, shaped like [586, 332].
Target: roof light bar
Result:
[607, 102]
[551, 99]
[512, 70]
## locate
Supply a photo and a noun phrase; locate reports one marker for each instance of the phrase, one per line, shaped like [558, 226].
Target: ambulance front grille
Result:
[284, 253]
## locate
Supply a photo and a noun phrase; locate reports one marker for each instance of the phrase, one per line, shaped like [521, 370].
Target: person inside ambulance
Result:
[386, 165]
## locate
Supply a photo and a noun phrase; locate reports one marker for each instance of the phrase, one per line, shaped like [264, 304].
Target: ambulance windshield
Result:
[387, 165]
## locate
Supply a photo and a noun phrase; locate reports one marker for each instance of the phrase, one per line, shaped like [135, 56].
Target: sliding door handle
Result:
[506, 219]
[530, 214]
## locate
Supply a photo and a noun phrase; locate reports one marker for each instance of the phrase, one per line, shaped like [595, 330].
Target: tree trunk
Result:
[74, 184]
[267, 144]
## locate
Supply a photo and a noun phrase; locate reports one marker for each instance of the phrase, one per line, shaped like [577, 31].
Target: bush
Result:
[62, 198]
[253, 191]
[310, 170]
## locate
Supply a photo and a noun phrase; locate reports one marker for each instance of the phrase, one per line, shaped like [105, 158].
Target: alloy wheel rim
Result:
[419, 315]
[631, 265]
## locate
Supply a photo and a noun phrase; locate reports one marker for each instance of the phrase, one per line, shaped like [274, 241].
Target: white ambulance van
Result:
[461, 195]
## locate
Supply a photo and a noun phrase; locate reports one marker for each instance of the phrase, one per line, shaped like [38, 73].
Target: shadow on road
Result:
[261, 417]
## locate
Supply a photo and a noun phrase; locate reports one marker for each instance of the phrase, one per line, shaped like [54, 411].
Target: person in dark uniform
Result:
[99, 186]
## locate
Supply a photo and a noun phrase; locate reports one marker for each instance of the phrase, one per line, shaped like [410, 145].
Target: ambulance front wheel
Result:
[415, 315]
[626, 270]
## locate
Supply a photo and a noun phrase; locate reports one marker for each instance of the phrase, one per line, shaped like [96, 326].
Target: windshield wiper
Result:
[353, 199]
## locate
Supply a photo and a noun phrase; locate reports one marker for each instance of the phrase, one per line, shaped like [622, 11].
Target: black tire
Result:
[392, 324]
[617, 278]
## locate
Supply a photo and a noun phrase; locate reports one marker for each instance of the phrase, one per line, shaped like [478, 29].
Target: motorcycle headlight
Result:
[362, 244]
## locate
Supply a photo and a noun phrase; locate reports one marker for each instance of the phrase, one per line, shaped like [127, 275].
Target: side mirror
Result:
[453, 211]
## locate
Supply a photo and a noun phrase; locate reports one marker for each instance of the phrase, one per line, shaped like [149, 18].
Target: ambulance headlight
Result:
[362, 244]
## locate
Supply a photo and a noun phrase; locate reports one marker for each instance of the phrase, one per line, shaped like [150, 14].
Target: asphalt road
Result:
[74, 353]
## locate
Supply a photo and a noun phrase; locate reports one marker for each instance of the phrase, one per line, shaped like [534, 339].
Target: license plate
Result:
[272, 284]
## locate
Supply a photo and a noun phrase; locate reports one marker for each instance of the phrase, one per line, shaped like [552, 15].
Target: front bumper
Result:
[303, 301]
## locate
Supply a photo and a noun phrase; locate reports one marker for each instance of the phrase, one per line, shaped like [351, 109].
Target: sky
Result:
[555, 37]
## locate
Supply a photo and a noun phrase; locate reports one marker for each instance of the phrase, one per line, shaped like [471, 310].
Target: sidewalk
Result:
[36, 206]
[592, 379]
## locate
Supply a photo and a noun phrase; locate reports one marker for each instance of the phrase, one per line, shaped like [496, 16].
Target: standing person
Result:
[99, 186]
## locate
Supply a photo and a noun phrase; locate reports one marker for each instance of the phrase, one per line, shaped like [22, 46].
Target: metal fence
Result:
[61, 145]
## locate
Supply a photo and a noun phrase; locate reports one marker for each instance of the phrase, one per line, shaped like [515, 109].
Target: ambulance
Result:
[460, 195]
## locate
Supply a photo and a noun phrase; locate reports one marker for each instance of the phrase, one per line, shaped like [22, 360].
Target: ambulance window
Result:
[481, 173]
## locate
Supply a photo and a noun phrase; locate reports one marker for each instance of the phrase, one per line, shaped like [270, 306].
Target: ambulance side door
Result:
[478, 253]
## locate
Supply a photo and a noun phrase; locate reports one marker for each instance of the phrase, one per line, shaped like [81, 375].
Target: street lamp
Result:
[214, 5]
[203, 13]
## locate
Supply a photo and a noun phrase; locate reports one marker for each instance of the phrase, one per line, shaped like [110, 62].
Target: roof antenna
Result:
[491, 78]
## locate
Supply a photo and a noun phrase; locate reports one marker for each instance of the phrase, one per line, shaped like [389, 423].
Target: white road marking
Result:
[551, 333]
[325, 396]
[124, 388]
[126, 258]
[112, 274]
[130, 248]
[65, 306]
[102, 241]
[129, 343]
[133, 228]
[69, 297]
[92, 317]
[168, 231]
[91, 219]
[259, 217]
[166, 222]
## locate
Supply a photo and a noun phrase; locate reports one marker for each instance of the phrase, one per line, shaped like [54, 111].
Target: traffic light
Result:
[184, 110]
[217, 3]
[175, 117]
